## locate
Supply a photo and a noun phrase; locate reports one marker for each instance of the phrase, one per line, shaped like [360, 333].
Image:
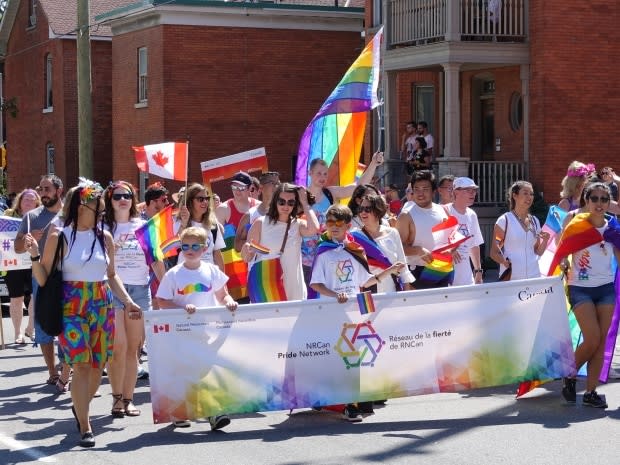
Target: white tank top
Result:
[424, 219]
[76, 264]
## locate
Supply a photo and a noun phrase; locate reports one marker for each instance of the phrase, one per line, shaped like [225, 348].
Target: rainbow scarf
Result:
[156, 233]
[265, 282]
[577, 235]
[439, 269]
[373, 253]
[336, 132]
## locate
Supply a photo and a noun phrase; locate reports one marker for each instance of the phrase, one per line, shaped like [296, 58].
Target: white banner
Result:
[312, 353]
[9, 259]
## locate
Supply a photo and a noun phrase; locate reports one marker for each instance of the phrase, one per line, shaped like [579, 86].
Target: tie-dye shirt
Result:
[184, 286]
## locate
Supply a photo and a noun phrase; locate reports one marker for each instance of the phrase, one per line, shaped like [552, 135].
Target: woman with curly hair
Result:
[19, 282]
[89, 279]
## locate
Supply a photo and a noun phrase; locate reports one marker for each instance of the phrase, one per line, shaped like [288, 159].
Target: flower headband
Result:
[89, 190]
[583, 170]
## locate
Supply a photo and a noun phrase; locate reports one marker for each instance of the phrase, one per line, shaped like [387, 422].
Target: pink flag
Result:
[447, 235]
[167, 160]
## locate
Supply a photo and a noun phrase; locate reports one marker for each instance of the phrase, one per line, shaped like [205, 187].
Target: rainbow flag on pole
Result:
[157, 238]
[336, 133]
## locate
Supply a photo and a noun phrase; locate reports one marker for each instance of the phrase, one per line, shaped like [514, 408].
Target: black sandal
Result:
[118, 412]
[130, 408]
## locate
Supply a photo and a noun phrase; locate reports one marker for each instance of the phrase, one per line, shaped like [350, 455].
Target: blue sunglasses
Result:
[194, 247]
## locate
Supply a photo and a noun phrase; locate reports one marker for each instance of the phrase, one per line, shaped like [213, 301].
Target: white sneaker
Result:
[218, 422]
[182, 424]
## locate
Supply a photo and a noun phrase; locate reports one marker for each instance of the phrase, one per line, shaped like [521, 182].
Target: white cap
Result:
[464, 183]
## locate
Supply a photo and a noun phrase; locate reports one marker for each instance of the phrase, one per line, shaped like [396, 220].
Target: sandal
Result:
[62, 386]
[52, 380]
[29, 335]
[117, 412]
[20, 340]
[130, 408]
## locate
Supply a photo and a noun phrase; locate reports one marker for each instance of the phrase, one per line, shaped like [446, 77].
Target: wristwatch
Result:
[35, 259]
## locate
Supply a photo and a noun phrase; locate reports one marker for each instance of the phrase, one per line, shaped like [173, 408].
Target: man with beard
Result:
[38, 223]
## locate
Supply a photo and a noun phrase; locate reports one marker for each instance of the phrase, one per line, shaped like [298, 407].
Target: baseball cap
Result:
[242, 178]
[464, 183]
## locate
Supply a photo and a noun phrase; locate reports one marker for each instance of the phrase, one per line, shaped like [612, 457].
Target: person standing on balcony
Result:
[428, 137]
[420, 159]
[407, 140]
[465, 190]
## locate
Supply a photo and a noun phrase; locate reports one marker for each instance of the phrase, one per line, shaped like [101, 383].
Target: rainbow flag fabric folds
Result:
[366, 303]
[438, 270]
[374, 254]
[155, 233]
[577, 235]
[336, 132]
[265, 282]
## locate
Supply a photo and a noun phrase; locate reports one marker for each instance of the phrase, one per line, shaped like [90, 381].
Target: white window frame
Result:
[50, 158]
[142, 75]
[49, 84]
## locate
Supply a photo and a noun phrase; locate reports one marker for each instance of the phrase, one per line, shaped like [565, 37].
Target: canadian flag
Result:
[161, 328]
[167, 160]
[447, 236]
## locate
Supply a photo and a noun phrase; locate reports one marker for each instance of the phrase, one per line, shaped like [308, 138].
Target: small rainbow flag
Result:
[438, 269]
[359, 171]
[259, 247]
[157, 231]
[365, 302]
[265, 282]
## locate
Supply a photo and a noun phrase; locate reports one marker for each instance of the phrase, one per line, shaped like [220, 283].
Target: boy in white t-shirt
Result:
[195, 283]
[340, 269]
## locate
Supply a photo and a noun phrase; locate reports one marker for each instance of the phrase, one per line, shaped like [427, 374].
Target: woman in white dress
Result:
[282, 218]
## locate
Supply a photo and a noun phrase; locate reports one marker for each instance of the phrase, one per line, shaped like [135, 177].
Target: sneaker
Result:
[569, 390]
[592, 399]
[142, 373]
[218, 422]
[351, 413]
[182, 424]
[88, 439]
[365, 408]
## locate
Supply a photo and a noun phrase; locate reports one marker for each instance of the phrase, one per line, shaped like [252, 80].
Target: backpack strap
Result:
[327, 193]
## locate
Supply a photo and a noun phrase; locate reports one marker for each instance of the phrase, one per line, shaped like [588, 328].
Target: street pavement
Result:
[486, 426]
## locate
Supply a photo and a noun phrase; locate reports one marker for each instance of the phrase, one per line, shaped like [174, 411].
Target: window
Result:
[50, 158]
[377, 12]
[515, 115]
[424, 105]
[49, 102]
[142, 75]
[32, 13]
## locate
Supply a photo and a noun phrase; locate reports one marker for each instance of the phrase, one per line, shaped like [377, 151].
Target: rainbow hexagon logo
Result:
[359, 345]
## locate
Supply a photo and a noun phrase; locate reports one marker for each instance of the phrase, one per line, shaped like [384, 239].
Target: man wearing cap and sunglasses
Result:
[229, 214]
[268, 182]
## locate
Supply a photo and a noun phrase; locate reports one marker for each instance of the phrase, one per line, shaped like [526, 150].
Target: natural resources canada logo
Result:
[359, 344]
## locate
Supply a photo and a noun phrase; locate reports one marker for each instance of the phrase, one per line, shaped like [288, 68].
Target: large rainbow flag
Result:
[157, 238]
[336, 133]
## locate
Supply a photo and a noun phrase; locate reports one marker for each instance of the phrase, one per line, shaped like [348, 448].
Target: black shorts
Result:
[19, 282]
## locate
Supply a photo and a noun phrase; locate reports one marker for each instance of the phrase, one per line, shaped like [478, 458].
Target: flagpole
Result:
[186, 172]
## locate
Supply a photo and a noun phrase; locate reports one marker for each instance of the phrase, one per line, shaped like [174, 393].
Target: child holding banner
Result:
[195, 283]
[340, 269]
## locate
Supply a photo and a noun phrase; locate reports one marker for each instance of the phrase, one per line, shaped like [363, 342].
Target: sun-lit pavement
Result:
[478, 427]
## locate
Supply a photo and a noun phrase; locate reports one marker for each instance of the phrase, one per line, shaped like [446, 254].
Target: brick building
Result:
[518, 92]
[230, 76]
[38, 49]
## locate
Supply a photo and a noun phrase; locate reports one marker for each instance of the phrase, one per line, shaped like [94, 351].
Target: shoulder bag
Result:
[49, 299]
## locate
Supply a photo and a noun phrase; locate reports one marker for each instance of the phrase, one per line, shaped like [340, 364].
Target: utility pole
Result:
[84, 90]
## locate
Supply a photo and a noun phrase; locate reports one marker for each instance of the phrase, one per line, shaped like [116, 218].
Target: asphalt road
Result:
[477, 427]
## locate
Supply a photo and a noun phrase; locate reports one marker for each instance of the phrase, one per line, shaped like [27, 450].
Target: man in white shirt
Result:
[428, 137]
[465, 190]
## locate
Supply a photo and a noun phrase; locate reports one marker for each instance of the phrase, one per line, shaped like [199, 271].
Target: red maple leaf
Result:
[160, 159]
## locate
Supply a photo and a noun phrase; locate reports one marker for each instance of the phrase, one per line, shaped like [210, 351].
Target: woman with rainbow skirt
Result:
[274, 244]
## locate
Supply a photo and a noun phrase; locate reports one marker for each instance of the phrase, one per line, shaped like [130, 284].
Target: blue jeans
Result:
[139, 293]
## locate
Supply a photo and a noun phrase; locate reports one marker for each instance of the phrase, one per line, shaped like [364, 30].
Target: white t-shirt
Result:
[212, 245]
[339, 272]
[429, 141]
[592, 266]
[184, 286]
[129, 259]
[424, 220]
[468, 226]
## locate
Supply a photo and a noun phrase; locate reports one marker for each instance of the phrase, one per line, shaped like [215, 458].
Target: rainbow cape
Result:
[156, 236]
[577, 235]
[440, 268]
[336, 132]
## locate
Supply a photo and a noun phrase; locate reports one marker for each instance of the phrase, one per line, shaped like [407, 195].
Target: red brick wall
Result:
[28, 134]
[229, 89]
[575, 76]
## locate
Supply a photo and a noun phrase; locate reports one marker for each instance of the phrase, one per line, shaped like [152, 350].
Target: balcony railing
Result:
[418, 22]
[494, 179]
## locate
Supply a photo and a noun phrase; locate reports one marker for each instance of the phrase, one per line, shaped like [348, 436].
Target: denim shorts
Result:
[40, 336]
[599, 295]
[139, 293]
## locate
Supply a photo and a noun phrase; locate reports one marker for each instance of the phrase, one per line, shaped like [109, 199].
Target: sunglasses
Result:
[126, 196]
[366, 210]
[202, 198]
[337, 223]
[596, 198]
[238, 188]
[290, 203]
[194, 247]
